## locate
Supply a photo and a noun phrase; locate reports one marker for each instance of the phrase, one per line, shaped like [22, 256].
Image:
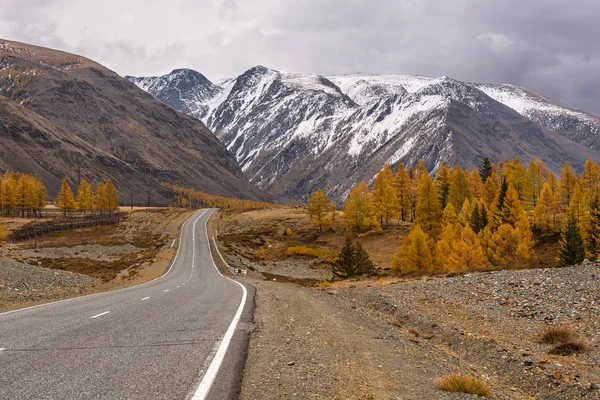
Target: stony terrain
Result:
[392, 341]
[89, 260]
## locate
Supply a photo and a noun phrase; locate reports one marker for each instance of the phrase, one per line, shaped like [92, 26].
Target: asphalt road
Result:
[152, 341]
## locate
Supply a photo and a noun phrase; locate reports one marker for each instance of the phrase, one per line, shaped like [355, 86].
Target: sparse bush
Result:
[459, 383]
[324, 284]
[557, 335]
[569, 348]
[324, 254]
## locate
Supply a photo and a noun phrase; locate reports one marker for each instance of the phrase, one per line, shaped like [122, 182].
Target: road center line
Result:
[2, 349]
[145, 298]
[166, 290]
[99, 315]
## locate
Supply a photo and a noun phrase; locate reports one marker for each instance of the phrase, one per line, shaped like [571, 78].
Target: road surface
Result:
[166, 339]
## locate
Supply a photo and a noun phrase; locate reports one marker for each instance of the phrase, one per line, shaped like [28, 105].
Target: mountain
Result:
[294, 133]
[62, 115]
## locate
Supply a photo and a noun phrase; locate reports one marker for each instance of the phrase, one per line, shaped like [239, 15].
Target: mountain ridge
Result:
[284, 127]
[63, 115]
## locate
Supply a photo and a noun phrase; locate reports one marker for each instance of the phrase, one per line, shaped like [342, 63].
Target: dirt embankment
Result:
[89, 260]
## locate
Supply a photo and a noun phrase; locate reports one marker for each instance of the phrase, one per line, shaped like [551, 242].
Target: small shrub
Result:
[324, 284]
[324, 254]
[557, 335]
[459, 383]
[569, 348]
[287, 232]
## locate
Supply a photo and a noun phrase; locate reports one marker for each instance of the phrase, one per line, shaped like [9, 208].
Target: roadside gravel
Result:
[393, 341]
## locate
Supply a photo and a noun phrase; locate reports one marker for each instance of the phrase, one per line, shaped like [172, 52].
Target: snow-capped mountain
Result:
[293, 133]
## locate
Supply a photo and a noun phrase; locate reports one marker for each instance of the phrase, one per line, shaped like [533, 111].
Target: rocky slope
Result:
[62, 115]
[294, 133]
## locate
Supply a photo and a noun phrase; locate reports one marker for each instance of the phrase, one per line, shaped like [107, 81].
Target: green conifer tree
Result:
[572, 250]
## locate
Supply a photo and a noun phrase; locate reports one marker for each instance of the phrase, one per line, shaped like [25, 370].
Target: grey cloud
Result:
[545, 45]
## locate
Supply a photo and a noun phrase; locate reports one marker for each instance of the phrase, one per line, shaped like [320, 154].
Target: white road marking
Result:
[166, 290]
[210, 375]
[99, 315]
[173, 244]
[145, 298]
[177, 286]
[2, 349]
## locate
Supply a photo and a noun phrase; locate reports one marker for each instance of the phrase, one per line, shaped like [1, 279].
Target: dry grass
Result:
[557, 335]
[324, 254]
[569, 348]
[459, 383]
[324, 284]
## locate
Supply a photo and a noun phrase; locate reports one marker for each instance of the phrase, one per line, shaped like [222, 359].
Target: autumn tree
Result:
[592, 240]
[85, 196]
[590, 177]
[318, 208]
[385, 199]
[415, 253]
[544, 211]
[359, 207]
[467, 253]
[464, 216]
[490, 189]
[445, 246]
[402, 185]
[65, 200]
[2, 232]
[572, 250]
[566, 185]
[110, 194]
[536, 177]
[429, 211]
[459, 189]
[506, 247]
[449, 217]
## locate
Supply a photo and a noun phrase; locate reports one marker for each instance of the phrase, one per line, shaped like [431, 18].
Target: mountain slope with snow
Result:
[294, 133]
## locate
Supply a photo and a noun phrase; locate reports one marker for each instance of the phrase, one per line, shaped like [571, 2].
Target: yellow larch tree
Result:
[415, 253]
[385, 199]
[475, 183]
[402, 185]
[467, 253]
[319, 208]
[566, 185]
[545, 209]
[459, 188]
[506, 248]
[64, 199]
[449, 217]
[450, 236]
[589, 179]
[358, 209]
[85, 196]
[464, 216]
[490, 188]
[429, 211]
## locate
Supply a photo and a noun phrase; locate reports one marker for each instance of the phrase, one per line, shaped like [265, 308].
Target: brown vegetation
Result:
[557, 334]
[463, 384]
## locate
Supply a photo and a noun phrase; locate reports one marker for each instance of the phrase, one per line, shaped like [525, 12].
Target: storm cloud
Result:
[549, 46]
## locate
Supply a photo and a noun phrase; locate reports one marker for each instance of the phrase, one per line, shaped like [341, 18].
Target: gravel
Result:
[393, 341]
[93, 252]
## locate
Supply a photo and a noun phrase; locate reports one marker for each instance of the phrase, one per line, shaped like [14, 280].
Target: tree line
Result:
[21, 195]
[191, 198]
[103, 200]
[473, 219]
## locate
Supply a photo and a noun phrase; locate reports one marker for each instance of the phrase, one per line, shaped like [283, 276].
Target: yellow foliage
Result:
[358, 209]
[324, 254]
[2, 232]
[415, 253]
[319, 207]
[184, 197]
[429, 210]
[509, 247]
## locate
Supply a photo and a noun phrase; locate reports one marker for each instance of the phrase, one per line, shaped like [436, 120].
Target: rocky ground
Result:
[89, 260]
[393, 341]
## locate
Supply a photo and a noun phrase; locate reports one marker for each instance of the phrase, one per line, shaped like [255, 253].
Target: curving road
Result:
[176, 337]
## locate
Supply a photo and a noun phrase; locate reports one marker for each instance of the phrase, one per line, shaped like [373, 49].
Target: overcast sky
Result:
[551, 46]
